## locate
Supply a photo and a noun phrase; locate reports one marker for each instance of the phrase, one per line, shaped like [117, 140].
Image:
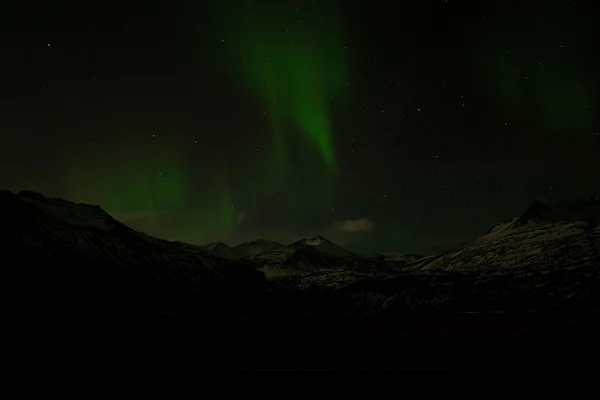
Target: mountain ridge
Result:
[68, 256]
[543, 235]
[101, 259]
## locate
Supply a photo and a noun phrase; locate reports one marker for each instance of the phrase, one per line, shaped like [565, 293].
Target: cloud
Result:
[360, 225]
[241, 217]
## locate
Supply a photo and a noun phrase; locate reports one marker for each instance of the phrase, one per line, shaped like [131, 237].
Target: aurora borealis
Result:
[421, 123]
[293, 61]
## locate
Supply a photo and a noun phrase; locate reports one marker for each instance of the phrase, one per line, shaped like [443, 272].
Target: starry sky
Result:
[405, 126]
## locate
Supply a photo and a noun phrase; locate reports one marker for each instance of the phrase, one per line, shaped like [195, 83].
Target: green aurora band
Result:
[133, 179]
[148, 187]
[293, 60]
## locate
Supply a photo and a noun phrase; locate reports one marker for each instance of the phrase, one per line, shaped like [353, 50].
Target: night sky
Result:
[384, 126]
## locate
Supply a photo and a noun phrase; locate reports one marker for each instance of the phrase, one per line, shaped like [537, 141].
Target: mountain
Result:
[243, 250]
[63, 257]
[563, 235]
[254, 247]
[548, 258]
[221, 250]
[59, 255]
[73, 277]
[303, 256]
[315, 254]
[323, 246]
[575, 210]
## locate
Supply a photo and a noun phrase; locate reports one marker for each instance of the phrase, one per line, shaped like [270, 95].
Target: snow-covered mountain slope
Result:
[562, 235]
[478, 291]
[54, 246]
[547, 259]
[243, 250]
[316, 254]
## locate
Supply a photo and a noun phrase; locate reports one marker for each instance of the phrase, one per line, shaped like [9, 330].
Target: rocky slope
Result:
[58, 254]
[243, 250]
[304, 256]
[255, 247]
[562, 235]
[316, 254]
[516, 290]
[546, 259]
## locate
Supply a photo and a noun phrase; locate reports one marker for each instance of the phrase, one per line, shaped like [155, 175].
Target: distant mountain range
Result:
[59, 255]
[247, 249]
[306, 255]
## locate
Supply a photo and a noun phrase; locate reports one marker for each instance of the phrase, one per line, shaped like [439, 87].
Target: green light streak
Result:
[293, 60]
[124, 178]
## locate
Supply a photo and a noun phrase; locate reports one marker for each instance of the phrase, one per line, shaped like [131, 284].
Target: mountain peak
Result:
[537, 212]
[71, 248]
[222, 250]
[215, 245]
[30, 194]
[570, 210]
[316, 241]
[256, 246]
[49, 210]
[323, 245]
[260, 242]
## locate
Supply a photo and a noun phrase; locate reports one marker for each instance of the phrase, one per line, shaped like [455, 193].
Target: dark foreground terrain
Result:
[309, 341]
[76, 281]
